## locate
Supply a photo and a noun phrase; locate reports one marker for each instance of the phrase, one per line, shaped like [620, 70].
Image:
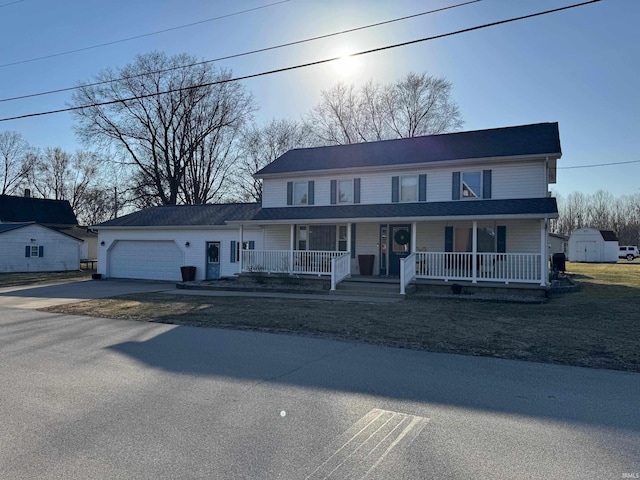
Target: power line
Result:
[598, 165]
[252, 52]
[304, 65]
[10, 3]
[122, 40]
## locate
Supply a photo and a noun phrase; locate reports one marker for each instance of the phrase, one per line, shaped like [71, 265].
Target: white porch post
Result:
[414, 236]
[544, 268]
[349, 237]
[241, 246]
[292, 242]
[474, 253]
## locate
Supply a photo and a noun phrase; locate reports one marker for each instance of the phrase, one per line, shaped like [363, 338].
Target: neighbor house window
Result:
[471, 185]
[409, 189]
[301, 193]
[345, 191]
[34, 251]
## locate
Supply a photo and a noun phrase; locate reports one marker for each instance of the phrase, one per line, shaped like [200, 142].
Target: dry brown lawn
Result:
[31, 278]
[598, 326]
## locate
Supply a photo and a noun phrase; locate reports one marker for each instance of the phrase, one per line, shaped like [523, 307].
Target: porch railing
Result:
[302, 262]
[340, 269]
[488, 267]
[407, 273]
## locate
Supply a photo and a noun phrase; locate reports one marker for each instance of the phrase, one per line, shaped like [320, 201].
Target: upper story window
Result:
[409, 189]
[471, 185]
[301, 193]
[345, 191]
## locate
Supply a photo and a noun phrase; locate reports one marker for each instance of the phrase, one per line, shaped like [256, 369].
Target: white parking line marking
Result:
[359, 450]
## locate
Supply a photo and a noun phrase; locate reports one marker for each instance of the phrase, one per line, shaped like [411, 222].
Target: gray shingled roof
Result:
[528, 206]
[608, 236]
[7, 227]
[185, 215]
[537, 139]
[40, 210]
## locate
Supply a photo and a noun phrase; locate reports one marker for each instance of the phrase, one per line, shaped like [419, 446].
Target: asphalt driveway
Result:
[41, 296]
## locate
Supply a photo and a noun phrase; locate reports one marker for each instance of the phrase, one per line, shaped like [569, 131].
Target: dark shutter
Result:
[501, 246]
[41, 251]
[422, 188]
[289, 193]
[448, 239]
[252, 245]
[27, 251]
[486, 184]
[455, 187]
[234, 253]
[356, 190]
[334, 192]
[395, 189]
[353, 240]
[311, 193]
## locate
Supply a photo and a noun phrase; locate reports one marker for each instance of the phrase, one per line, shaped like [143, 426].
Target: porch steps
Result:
[360, 287]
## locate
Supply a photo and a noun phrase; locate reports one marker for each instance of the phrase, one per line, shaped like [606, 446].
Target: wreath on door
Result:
[401, 237]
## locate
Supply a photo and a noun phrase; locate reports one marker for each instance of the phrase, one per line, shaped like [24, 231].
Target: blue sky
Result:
[578, 67]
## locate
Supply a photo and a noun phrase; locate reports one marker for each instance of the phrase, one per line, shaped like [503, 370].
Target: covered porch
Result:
[409, 251]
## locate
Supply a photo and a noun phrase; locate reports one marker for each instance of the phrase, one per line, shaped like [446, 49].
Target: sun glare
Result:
[346, 65]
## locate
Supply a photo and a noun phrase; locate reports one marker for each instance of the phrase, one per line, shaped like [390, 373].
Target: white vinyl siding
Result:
[508, 181]
[277, 237]
[61, 252]
[523, 236]
[367, 239]
[194, 254]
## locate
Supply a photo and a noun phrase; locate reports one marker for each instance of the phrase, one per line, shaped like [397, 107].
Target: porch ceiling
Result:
[458, 210]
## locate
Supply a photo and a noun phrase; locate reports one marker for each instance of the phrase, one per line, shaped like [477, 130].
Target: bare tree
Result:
[260, 147]
[418, 104]
[16, 161]
[174, 125]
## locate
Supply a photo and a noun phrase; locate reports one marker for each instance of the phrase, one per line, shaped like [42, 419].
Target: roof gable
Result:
[526, 140]
[185, 215]
[40, 210]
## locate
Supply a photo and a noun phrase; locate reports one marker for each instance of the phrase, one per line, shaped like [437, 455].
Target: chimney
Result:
[27, 193]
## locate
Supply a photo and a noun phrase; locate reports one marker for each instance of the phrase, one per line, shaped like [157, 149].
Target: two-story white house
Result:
[469, 206]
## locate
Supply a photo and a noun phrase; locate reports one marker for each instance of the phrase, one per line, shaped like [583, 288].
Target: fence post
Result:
[402, 276]
[333, 274]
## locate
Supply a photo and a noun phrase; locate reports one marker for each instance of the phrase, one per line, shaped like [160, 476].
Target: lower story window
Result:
[463, 240]
[329, 238]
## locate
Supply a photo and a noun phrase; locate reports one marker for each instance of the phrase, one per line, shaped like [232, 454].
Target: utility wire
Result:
[122, 40]
[252, 52]
[295, 67]
[598, 165]
[10, 3]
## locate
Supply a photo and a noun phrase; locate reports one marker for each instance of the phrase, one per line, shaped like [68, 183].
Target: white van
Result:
[629, 252]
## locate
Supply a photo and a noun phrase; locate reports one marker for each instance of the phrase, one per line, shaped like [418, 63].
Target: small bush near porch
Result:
[598, 326]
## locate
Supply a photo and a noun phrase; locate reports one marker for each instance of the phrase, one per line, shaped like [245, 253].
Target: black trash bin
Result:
[188, 273]
[558, 261]
[365, 262]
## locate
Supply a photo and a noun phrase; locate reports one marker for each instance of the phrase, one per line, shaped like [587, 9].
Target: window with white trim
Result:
[345, 191]
[328, 238]
[409, 188]
[301, 193]
[471, 185]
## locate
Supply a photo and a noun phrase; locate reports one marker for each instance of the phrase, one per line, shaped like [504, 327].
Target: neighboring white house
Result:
[30, 247]
[593, 246]
[52, 214]
[558, 243]
[468, 206]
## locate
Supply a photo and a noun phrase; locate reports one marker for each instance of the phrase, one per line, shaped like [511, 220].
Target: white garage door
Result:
[150, 260]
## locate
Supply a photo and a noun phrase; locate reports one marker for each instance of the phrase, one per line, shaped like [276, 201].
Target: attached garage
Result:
[145, 259]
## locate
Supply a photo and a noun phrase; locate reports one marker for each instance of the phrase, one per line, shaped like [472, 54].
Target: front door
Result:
[213, 260]
[399, 246]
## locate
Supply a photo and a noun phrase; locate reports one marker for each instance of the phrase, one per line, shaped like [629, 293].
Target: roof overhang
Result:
[416, 165]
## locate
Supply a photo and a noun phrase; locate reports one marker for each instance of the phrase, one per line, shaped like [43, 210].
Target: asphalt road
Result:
[95, 398]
